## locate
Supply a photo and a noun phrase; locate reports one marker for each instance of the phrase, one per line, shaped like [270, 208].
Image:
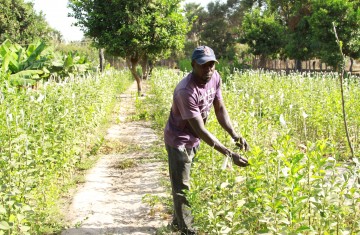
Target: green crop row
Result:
[45, 133]
[301, 179]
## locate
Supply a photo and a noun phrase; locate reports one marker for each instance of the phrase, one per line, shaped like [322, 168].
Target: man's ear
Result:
[192, 63]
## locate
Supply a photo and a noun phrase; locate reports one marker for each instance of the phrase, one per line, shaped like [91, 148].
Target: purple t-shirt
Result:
[190, 100]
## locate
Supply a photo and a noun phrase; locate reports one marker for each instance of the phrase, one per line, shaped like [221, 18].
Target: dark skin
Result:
[202, 74]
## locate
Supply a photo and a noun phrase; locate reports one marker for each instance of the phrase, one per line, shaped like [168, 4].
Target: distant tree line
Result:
[277, 29]
[145, 31]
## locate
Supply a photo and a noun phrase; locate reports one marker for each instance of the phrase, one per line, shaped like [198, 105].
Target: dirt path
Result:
[110, 201]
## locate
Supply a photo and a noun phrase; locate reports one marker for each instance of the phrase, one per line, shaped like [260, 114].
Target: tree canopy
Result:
[296, 29]
[135, 30]
[264, 34]
[20, 23]
[346, 16]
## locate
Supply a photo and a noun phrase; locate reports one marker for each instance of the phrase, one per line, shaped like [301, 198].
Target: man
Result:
[192, 101]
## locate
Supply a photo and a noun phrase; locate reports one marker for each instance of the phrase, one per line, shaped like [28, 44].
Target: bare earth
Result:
[110, 201]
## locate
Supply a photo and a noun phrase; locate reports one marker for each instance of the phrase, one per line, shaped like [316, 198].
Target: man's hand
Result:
[241, 143]
[239, 160]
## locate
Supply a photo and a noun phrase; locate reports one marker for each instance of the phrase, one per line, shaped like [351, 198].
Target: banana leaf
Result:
[25, 77]
[18, 81]
[68, 62]
[28, 74]
[5, 64]
[35, 52]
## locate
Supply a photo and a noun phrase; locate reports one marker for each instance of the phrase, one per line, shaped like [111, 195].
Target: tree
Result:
[196, 17]
[294, 16]
[216, 32]
[135, 30]
[346, 16]
[264, 34]
[21, 24]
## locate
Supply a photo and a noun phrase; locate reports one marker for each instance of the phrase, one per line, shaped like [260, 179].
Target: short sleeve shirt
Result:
[190, 100]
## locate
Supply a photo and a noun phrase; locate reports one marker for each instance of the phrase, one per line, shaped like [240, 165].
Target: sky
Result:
[56, 14]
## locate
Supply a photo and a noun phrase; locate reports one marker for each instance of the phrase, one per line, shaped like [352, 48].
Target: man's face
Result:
[203, 72]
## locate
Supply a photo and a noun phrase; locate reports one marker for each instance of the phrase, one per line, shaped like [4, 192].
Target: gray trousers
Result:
[180, 161]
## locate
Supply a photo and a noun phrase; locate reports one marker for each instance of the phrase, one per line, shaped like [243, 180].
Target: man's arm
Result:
[197, 124]
[224, 120]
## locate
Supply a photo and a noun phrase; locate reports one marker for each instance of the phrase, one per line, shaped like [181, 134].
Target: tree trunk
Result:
[262, 63]
[254, 62]
[132, 63]
[298, 66]
[144, 67]
[287, 66]
[101, 59]
[351, 65]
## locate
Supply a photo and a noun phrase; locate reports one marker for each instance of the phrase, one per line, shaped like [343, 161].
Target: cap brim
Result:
[204, 60]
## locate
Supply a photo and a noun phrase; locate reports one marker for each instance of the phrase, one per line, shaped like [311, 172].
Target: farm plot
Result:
[301, 179]
[46, 133]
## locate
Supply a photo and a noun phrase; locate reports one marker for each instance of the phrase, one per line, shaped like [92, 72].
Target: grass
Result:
[126, 164]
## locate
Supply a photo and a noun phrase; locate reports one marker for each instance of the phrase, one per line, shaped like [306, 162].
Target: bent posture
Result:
[192, 100]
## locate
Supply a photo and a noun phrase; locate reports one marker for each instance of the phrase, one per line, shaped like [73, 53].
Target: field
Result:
[47, 134]
[301, 178]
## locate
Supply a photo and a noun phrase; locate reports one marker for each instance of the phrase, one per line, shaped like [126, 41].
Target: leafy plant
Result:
[46, 133]
[300, 179]
[39, 62]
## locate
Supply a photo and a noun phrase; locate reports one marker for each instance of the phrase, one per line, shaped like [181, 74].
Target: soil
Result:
[111, 199]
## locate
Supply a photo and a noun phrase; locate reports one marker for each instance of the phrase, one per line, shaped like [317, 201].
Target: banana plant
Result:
[38, 61]
[23, 66]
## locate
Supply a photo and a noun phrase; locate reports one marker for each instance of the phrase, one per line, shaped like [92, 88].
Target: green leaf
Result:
[303, 229]
[2, 210]
[30, 74]
[34, 54]
[68, 61]
[5, 64]
[4, 225]
[18, 81]
[24, 228]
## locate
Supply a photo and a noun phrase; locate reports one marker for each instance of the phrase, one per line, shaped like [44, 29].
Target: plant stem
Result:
[308, 188]
[342, 92]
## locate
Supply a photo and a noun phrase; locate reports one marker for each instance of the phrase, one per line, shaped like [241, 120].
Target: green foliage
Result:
[196, 16]
[300, 179]
[185, 64]
[263, 33]
[83, 48]
[346, 16]
[135, 28]
[37, 62]
[217, 24]
[45, 134]
[302, 30]
[20, 23]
